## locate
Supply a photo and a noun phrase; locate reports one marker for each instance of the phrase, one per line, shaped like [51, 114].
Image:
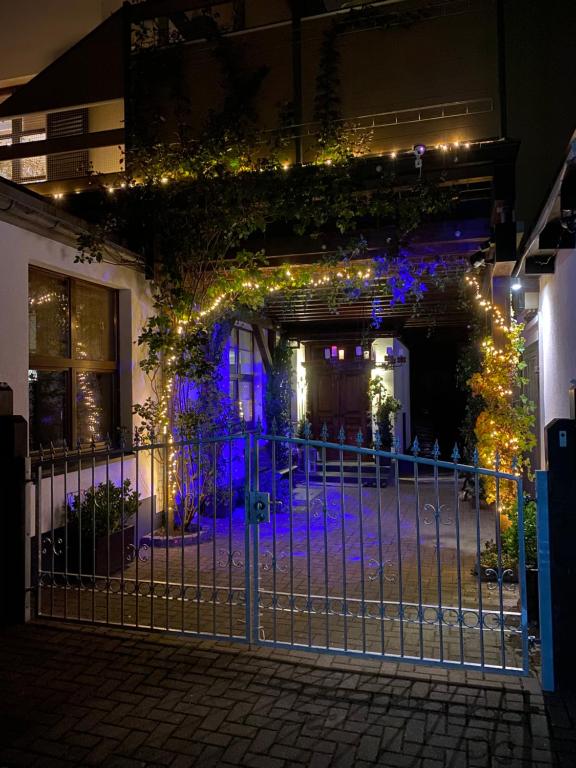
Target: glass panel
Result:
[33, 167]
[48, 315]
[245, 401]
[48, 393]
[94, 398]
[245, 340]
[245, 356]
[94, 323]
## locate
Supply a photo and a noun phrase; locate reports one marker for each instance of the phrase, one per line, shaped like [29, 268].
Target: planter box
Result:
[96, 561]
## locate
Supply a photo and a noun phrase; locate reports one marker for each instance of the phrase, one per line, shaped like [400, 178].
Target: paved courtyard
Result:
[88, 696]
[387, 571]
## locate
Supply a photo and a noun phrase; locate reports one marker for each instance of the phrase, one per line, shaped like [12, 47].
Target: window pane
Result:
[94, 405]
[48, 315]
[245, 402]
[245, 339]
[94, 323]
[48, 393]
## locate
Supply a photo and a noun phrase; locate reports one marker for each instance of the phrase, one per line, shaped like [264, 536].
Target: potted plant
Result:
[384, 408]
[101, 528]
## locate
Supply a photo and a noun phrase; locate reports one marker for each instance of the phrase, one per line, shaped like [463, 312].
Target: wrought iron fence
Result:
[285, 541]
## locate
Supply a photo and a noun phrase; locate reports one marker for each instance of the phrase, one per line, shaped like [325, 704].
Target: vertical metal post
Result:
[544, 581]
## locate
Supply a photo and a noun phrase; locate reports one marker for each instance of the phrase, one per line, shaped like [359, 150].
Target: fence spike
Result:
[78, 445]
[52, 451]
[290, 430]
[258, 426]
[324, 433]
[274, 426]
[341, 435]
[243, 425]
[377, 440]
[65, 447]
[455, 453]
[92, 444]
[497, 460]
[359, 438]
[436, 450]
[475, 457]
[307, 430]
[416, 446]
[515, 464]
[396, 444]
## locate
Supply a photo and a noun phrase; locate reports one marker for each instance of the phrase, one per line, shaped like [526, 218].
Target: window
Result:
[73, 377]
[20, 131]
[241, 357]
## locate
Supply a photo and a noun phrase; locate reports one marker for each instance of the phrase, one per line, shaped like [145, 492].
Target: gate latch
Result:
[258, 507]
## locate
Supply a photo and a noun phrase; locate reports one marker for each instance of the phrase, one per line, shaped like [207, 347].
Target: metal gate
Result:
[287, 542]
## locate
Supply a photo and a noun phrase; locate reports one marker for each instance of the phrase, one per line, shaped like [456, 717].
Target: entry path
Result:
[88, 696]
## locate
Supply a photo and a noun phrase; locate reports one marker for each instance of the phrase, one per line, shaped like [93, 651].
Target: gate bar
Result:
[544, 582]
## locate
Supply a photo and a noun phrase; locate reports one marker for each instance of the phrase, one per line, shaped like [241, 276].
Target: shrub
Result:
[102, 509]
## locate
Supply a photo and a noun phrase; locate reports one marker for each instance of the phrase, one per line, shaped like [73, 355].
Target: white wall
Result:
[557, 336]
[18, 250]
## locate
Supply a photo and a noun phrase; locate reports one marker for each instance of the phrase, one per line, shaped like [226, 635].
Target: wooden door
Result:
[338, 397]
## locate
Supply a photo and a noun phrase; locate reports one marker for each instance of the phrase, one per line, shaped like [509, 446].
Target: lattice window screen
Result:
[67, 165]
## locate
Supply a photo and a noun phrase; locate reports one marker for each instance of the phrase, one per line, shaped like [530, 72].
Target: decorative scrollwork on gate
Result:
[50, 545]
[437, 513]
[381, 570]
[321, 509]
[271, 563]
[500, 578]
[141, 552]
[230, 558]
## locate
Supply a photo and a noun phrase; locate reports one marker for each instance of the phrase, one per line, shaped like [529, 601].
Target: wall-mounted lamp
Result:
[340, 354]
[516, 285]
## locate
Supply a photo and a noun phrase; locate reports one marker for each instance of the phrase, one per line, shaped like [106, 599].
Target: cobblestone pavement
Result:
[86, 696]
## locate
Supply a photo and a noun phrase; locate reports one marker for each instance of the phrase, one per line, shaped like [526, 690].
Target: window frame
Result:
[71, 365]
[236, 376]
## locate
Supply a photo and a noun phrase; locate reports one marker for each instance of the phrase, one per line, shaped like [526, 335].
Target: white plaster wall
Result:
[18, 250]
[557, 336]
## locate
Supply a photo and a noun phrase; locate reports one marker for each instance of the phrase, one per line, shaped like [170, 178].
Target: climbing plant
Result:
[505, 426]
[189, 207]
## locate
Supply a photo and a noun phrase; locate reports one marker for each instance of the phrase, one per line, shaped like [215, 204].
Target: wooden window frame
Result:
[236, 376]
[71, 365]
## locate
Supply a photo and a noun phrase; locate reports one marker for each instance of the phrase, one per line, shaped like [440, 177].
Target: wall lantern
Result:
[340, 354]
[334, 351]
[358, 351]
[327, 353]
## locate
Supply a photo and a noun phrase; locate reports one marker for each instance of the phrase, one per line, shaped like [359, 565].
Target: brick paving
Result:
[92, 696]
[388, 567]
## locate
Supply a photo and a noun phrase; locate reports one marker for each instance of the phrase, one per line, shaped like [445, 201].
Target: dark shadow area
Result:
[83, 696]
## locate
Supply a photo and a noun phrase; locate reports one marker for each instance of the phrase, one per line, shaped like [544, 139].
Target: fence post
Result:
[544, 582]
[561, 487]
[14, 559]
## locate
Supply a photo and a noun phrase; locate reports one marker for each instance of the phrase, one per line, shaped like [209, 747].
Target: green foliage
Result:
[385, 407]
[278, 397]
[102, 509]
[510, 541]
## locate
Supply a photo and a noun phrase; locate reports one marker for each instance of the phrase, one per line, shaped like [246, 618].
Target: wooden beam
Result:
[263, 347]
[110, 138]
